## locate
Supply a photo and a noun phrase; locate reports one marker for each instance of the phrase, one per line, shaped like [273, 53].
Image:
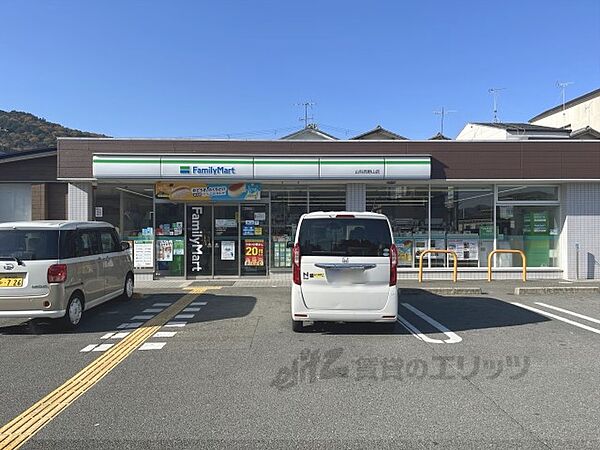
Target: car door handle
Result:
[347, 266]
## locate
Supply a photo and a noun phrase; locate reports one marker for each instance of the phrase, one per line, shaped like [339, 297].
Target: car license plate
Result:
[11, 282]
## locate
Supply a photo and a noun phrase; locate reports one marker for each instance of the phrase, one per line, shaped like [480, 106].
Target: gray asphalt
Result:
[516, 379]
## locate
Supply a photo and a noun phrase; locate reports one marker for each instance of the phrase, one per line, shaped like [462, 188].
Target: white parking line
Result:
[102, 347]
[198, 304]
[142, 317]
[453, 338]
[107, 335]
[416, 332]
[189, 310]
[88, 348]
[152, 345]
[162, 304]
[164, 334]
[554, 316]
[120, 335]
[176, 324]
[153, 310]
[566, 311]
[184, 316]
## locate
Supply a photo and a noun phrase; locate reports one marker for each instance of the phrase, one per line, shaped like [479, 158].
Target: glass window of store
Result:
[527, 219]
[407, 209]
[327, 198]
[462, 219]
[288, 203]
[130, 209]
[170, 242]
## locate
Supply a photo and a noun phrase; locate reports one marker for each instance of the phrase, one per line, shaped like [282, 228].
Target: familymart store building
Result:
[196, 209]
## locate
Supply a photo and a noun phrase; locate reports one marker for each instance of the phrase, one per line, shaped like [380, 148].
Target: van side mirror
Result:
[290, 244]
[125, 245]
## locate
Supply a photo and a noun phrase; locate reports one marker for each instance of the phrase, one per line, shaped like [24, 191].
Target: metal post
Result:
[577, 260]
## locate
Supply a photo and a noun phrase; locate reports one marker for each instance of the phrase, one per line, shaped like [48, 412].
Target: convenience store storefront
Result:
[228, 208]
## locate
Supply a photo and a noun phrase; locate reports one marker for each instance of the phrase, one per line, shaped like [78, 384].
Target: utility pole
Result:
[495, 92]
[305, 119]
[562, 85]
[442, 113]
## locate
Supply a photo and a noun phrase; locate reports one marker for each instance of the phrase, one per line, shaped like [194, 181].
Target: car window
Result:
[344, 237]
[68, 241]
[108, 242]
[29, 245]
[87, 243]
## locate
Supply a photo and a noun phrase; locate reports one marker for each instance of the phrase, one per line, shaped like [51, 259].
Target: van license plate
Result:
[11, 282]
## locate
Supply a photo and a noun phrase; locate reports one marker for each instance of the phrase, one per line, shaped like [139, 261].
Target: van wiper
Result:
[12, 258]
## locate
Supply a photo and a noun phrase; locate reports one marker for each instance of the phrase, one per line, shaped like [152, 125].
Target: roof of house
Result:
[439, 137]
[27, 154]
[569, 104]
[589, 131]
[312, 131]
[382, 132]
[516, 126]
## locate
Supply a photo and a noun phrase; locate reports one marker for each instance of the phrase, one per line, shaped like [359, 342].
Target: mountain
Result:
[23, 131]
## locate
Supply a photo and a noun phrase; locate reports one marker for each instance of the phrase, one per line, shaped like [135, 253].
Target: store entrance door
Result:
[227, 240]
[227, 236]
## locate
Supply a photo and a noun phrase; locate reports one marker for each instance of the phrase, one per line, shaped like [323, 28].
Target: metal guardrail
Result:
[451, 252]
[523, 258]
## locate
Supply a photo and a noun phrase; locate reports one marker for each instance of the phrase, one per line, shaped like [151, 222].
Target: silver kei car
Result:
[59, 269]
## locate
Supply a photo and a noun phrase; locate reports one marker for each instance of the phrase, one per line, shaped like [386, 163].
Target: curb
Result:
[556, 290]
[443, 291]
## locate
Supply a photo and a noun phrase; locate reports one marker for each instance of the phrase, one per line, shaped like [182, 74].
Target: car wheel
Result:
[74, 313]
[128, 288]
[297, 326]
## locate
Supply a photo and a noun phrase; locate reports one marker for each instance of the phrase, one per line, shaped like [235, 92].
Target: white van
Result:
[59, 269]
[344, 269]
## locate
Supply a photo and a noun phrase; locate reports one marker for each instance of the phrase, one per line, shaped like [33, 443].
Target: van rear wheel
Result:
[128, 288]
[74, 313]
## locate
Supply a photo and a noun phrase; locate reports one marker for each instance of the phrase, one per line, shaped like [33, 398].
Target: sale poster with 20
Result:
[254, 253]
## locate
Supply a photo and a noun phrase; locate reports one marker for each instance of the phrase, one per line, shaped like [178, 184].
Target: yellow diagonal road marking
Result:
[23, 427]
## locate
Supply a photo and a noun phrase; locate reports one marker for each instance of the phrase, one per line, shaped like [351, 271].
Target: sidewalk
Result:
[467, 287]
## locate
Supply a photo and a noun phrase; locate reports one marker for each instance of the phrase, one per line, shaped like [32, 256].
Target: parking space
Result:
[456, 371]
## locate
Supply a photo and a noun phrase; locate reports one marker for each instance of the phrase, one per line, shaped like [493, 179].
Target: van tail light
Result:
[393, 265]
[57, 273]
[296, 264]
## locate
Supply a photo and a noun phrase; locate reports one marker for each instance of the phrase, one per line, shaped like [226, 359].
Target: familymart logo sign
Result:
[206, 170]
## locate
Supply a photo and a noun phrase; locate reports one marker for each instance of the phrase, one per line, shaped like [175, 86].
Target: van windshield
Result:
[344, 237]
[29, 245]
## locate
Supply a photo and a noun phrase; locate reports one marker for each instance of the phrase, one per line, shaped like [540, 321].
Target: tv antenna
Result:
[495, 92]
[306, 106]
[442, 113]
[562, 85]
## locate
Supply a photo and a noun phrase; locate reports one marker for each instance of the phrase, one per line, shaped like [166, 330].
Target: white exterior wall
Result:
[356, 197]
[580, 211]
[473, 132]
[79, 202]
[578, 116]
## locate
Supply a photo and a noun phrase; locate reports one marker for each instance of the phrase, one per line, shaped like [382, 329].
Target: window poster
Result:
[165, 250]
[254, 252]
[143, 254]
[405, 251]
[227, 250]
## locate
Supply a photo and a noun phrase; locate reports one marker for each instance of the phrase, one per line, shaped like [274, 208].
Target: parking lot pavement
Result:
[456, 372]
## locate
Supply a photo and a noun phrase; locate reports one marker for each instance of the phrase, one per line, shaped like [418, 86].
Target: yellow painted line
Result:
[199, 290]
[23, 427]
